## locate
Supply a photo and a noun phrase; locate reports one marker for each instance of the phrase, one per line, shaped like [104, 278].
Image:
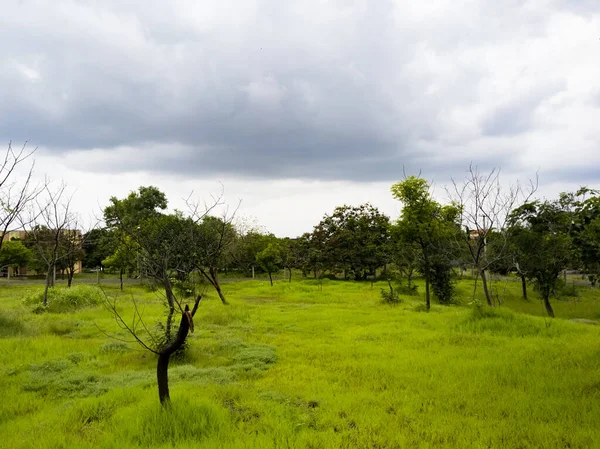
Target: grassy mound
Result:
[63, 300]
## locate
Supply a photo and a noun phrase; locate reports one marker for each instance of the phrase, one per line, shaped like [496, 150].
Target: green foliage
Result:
[136, 208]
[97, 246]
[270, 259]
[426, 231]
[62, 300]
[390, 296]
[353, 240]
[442, 282]
[543, 244]
[246, 247]
[15, 254]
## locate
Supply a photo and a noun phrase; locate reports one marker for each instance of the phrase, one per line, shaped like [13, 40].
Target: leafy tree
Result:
[586, 231]
[126, 221]
[128, 213]
[124, 257]
[404, 253]
[430, 226]
[291, 255]
[544, 244]
[97, 246]
[354, 240]
[14, 254]
[270, 259]
[70, 252]
[309, 254]
[246, 247]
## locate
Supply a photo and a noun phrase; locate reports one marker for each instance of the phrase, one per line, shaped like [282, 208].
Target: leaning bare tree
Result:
[485, 205]
[16, 191]
[164, 346]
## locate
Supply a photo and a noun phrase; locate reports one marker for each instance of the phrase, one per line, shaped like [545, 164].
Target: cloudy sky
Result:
[298, 107]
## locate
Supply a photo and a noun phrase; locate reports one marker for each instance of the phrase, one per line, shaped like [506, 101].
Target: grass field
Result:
[305, 365]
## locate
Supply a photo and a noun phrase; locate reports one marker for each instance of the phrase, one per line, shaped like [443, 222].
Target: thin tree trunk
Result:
[121, 279]
[48, 278]
[486, 291]
[271, 279]
[524, 287]
[548, 306]
[427, 294]
[212, 277]
[70, 274]
[290, 280]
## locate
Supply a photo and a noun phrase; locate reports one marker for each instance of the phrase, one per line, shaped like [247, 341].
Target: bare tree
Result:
[485, 206]
[157, 344]
[213, 239]
[53, 224]
[16, 191]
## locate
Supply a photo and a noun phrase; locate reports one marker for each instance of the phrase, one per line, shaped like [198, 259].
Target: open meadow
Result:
[305, 364]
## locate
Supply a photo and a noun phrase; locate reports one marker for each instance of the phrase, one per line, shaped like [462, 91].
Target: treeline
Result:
[497, 233]
[484, 226]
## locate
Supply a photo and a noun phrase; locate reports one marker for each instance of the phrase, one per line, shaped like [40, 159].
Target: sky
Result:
[295, 108]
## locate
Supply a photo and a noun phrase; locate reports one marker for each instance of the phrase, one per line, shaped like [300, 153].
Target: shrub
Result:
[62, 299]
[390, 296]
[565, 290]
[442, 283]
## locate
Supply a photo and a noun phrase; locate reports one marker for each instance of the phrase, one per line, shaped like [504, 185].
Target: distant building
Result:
[23, 271]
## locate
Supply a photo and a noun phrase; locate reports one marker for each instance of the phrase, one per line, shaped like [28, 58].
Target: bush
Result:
[565, 290]
[442, 283]
[390, 296]
[61, 299]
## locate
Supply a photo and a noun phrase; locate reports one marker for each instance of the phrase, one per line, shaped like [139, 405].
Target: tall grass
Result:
[306, 365]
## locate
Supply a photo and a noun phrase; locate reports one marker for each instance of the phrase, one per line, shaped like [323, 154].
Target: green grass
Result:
[307, 365]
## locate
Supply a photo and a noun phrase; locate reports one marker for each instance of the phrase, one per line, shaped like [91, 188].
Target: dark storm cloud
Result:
[336, 90]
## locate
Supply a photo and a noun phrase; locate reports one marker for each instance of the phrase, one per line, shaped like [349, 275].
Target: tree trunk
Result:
[548, 306]
[162, 376]
[524, 287]
[48, 278]
[486, 291]
[427, 294]
[70, 275]
[290, 279]
[215, 281]
[213, 278]
[164, 354]
[271, 279]
[121, 282]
